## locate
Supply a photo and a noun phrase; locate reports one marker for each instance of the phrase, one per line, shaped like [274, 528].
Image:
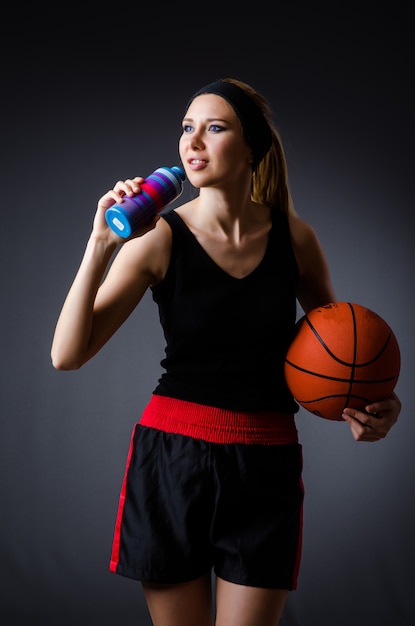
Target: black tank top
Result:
[226, 337]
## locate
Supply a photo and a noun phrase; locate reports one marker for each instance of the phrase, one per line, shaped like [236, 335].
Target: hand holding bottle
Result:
[143, 199]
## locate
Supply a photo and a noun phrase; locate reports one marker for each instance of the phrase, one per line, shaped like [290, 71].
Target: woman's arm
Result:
[315, 289]
[94, 309]
[314, 286]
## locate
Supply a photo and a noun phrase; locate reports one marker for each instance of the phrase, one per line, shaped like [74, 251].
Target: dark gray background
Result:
[88, 98]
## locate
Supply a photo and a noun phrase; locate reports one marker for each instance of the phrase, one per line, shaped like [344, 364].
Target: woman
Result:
[213, 476]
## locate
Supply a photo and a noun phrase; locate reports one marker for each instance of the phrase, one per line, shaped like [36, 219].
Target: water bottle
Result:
[163, 186]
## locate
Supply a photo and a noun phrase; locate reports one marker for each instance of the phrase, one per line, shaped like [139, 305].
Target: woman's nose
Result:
[196, 139]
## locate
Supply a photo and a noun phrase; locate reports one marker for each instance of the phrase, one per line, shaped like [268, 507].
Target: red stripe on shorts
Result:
[219, 425]
[115, 556]
[300, 544]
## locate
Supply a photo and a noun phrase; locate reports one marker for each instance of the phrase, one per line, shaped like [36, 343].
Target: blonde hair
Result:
[270, 178]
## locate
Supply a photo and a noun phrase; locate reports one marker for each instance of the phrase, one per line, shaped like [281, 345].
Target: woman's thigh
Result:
[182, 604]
[239, 605]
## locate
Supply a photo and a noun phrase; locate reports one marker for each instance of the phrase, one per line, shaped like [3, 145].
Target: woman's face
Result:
[212, 147]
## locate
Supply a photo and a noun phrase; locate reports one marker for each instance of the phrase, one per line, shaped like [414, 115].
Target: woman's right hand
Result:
[121, 189]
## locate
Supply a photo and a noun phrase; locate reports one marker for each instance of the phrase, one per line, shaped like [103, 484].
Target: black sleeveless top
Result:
[226, 337]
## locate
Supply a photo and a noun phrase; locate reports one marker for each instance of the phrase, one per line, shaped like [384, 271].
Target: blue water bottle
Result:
[163, 186]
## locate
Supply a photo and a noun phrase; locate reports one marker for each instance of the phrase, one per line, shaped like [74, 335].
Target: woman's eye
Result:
[215, 128]
[187, 128]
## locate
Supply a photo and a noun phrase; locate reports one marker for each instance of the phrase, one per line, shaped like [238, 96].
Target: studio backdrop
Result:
[88, 103]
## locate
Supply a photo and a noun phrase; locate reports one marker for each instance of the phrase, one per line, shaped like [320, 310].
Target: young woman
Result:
[213, 477]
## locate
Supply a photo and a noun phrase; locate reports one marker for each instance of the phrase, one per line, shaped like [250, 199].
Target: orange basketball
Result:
[343, 355]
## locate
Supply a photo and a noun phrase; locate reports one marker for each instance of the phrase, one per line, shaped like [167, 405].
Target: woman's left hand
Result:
[376, 422]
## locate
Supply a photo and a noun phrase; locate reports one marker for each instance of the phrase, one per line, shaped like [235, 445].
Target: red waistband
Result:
[219, 425]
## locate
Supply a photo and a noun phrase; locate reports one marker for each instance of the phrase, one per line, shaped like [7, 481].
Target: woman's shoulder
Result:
[306, 244]
[301, 231]
[148, 254]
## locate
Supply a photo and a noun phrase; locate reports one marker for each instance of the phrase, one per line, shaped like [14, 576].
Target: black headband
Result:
[256, 128]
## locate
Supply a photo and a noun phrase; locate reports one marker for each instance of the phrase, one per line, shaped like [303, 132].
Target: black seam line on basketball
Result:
[337, 395]
[341, 380]
[352, 377]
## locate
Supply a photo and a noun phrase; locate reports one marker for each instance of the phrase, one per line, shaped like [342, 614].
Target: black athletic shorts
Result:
[188, 505]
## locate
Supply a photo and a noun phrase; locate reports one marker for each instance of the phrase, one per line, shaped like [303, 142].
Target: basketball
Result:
[342, 355]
